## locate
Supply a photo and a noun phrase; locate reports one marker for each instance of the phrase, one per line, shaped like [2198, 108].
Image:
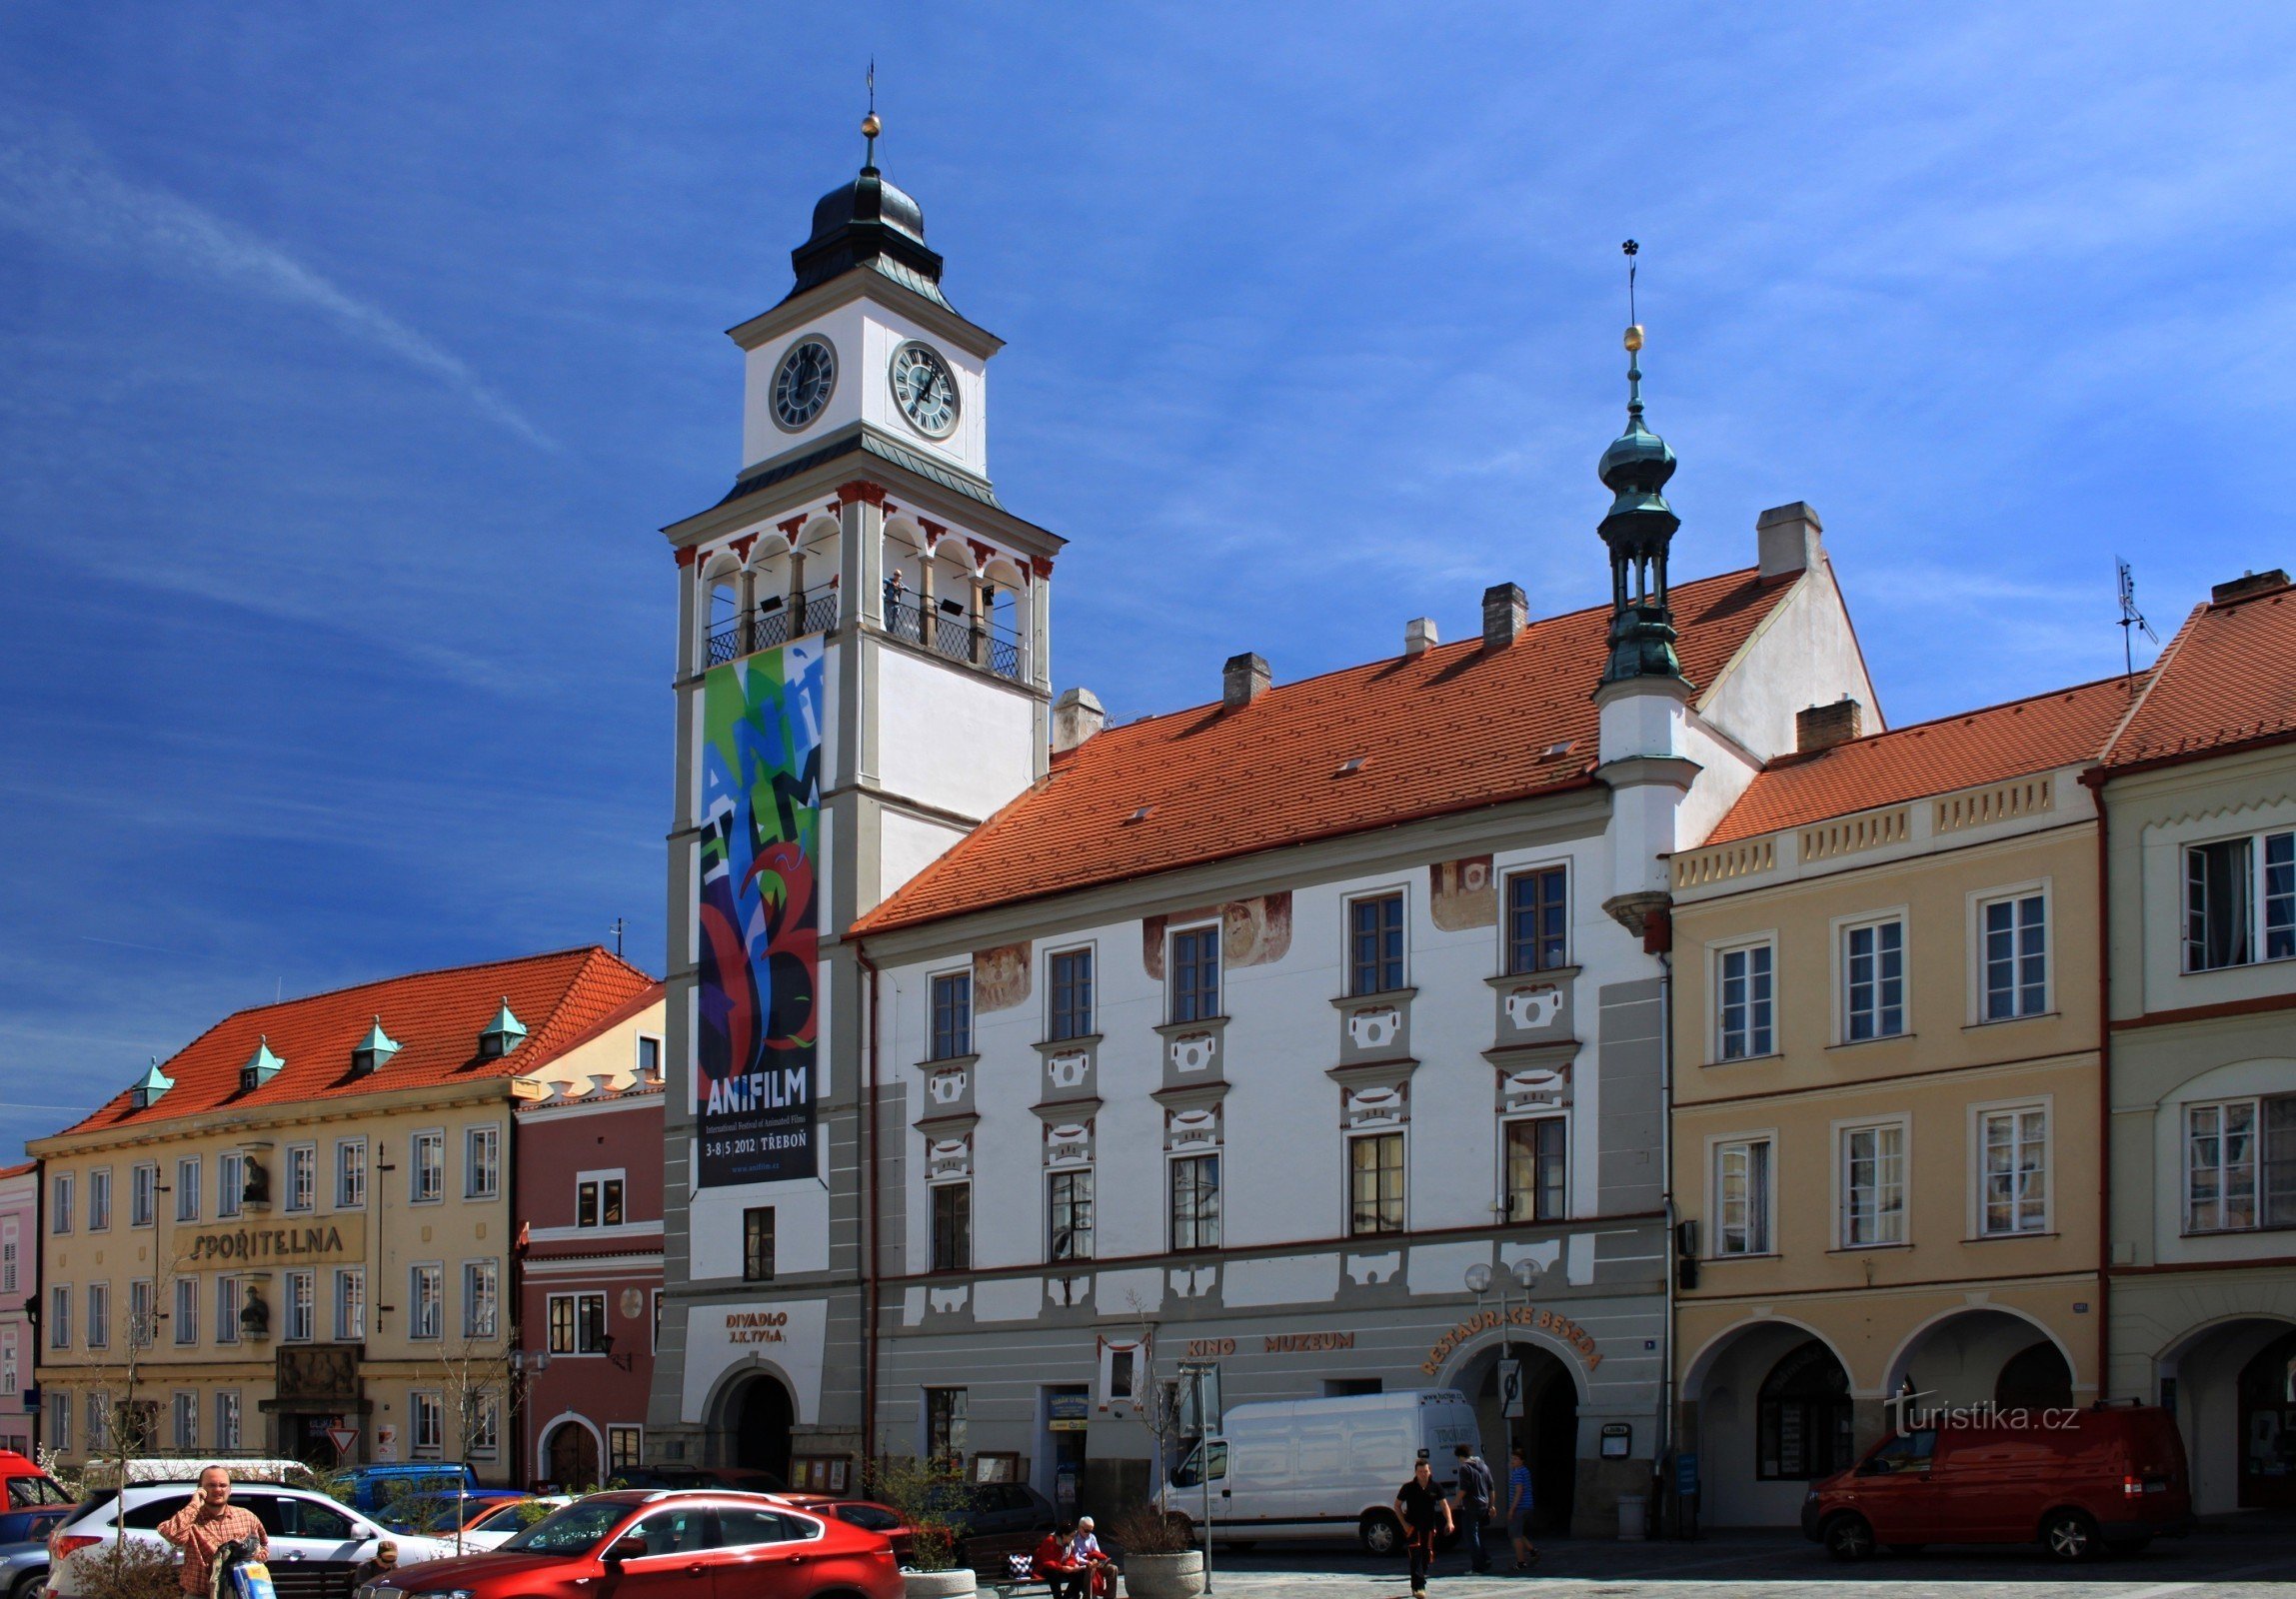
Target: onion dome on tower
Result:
[868, 223]
[1638, 531]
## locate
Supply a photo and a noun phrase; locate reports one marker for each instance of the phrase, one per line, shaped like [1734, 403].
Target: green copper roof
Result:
[1638, 529]
[375, 1050]
[506, 1029]
[151, 1085]
[262, 1065]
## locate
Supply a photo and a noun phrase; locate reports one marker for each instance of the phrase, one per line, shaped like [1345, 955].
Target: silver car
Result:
[24, 1570]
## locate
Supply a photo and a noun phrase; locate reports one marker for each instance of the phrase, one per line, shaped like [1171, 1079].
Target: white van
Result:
[1319, 1468]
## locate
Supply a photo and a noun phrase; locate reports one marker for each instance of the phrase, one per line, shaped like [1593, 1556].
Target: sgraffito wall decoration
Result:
[758, 1034]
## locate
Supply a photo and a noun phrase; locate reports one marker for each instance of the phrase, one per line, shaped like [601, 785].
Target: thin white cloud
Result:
[60, 189]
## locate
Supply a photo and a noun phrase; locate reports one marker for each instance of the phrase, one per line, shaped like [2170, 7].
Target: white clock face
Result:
[803, 381]
[924, 389]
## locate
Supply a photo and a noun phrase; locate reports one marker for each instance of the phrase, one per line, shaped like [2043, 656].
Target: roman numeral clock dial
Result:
[924, 389]
[803, 381]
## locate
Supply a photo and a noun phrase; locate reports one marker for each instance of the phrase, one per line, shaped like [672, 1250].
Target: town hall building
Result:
[1026, 1071]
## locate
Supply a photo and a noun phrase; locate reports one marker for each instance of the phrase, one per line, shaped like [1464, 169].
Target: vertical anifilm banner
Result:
[759, 951]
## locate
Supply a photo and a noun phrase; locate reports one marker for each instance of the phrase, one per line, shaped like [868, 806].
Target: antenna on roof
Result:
[2131, 616]
[618, 930]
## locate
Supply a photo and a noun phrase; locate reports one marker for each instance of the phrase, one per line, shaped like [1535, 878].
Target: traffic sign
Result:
[345, 1440]
[1510, 1389]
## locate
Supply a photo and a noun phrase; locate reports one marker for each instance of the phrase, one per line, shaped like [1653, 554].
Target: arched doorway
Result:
[1965, 1358]
[2035, 1378]
[2268, 1427]
[1804, 1423]
[2231, 1384]
[761, 1415]
[1546, 1431]
[1768, 1408]
[570, 1456]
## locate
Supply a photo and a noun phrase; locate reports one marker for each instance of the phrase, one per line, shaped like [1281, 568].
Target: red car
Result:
[2078, 1482]
[866, 1514]
[666, 1544]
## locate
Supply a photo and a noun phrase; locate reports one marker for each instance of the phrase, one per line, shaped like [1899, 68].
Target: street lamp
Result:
[1478, 1282]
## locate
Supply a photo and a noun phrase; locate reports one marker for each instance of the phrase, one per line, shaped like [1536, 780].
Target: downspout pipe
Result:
[2094, 779]
[871, 1271]
[1659, 939]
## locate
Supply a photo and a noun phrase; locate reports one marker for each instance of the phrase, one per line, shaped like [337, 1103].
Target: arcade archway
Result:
[1769, 1410]
[758, 1416]
[1546, 1431]
[2233, 1387]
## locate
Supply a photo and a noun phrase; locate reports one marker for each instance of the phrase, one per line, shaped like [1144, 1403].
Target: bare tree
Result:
[477, 1381]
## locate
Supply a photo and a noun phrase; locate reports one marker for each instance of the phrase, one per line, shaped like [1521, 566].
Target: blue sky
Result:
[350, 360]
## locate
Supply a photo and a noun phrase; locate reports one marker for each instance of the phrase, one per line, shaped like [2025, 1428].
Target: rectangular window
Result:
[185, 1317]
[227, 1307]
[301, 1291]
[1537, 920]
[350, 1174]
[10, 1249]
[187, 1189]
[427, 1174]
[350, 1304]
[944, 1424]
[60, 1203]
[625, 1448]
[1376, 944]
[99, 1327]
[1874, 1186]
[1072, 994]
[186, 1421]
[2240, 902]
[757, 1244]
[1194, 966]
[1742, 1197]
[482, 1163]
[430, 1292]
[1744, 996]
[60, 1316]
[1873, 980]
[1534, 1190]
[648, 1057]
[1069, 1222]
[589, 1324]
[952, 1227]
[226, 1420]
[143, 1195]
[143, 1324]
[430, 1424]
[1196, 1202]
[60, 1421]
[303, 1178]
[2016, 1155]
[485, 1441]
[100, 1200]
[559, 1315]
[99, 1420]
[480, 1279]
[230, 1183]
[2015, 933]
[598, 1199]
[1375, 1184]
[2240, 1164]
[952, 1016]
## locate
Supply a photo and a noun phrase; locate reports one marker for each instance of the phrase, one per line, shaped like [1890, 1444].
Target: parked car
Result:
[2076, 1481]
[373, 1487]
[505, 1522]
[992, 1509]
[316, 1543]
[1313, 1468]
[632, 1541]
[740, 1479]
[438, 1514]
[866, 1514]
[31, 1503]
[23, 1570]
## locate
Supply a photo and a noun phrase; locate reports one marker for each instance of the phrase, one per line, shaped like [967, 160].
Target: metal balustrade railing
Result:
[774, 623]
[957, 637]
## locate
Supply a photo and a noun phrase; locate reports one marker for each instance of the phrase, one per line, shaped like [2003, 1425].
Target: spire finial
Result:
[869, 126]
[1633, 335]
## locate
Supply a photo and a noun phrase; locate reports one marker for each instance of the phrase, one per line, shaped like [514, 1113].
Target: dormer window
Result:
[374, 1051]
[261, 1067]
[505, 1033]
[148, 1088]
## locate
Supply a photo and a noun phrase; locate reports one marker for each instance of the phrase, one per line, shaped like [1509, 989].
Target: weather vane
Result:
[1633, 250]
[869, 126]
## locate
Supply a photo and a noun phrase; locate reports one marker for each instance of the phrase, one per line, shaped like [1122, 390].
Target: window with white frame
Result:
[1537, 920]
[229, 1299]
[2240, 1163]
[143, 1195]
[350, 1304]
[230, 1183]
[950, 1235]
[1071, 995]
[350, 1174]
[59, 1328]
[100, 1200]
[1375, 944]
[2014, 1146]
[430, 1424]
[1069, 1215]
[60, 1421]
[2240, 900]
[482, 1163]
[2013, 941]
[9, 1382]
[60, 1203]
[951, 1014]
[576, 1324]
[1375, 1184]
[1745, 999]
[1742, 1197]
[486, 1428]
[1535, 1150]
[625, 1448]
[302, 1177]
[142, 1325]
[99, 1420]
[186, 1420]
[301, 1312]
[1193, 973]
[648, 1057]
[1195, 1202]
[427, 1168]
[598, 1199]
[1872, 1179]
[480, 1279]
[429, 1296]
[99, 1313]
[225, 1420]
[1874, 980]
[184, 1319]
[11, 1246]
[187, 1189]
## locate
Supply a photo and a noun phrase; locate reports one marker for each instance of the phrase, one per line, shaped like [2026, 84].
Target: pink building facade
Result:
[19, 1292]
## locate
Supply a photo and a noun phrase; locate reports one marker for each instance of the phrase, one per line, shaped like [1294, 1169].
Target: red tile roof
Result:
[564, 999]
[16, 1171]
[2226, 679]
[1957, 751]
[1449, 730]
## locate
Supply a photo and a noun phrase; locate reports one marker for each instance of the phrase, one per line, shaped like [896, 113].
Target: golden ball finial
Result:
[870, 127]
[1634, 337]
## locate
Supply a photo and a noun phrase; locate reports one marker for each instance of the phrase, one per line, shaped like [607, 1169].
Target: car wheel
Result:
[1381, 1533]
[34, 1585]
[1849, 1537]
[2069, 1535]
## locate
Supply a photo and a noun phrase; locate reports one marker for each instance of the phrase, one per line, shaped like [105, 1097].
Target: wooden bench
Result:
[989, 1559]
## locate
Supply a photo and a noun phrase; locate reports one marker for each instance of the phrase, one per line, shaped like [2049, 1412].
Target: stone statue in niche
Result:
[256, 1188]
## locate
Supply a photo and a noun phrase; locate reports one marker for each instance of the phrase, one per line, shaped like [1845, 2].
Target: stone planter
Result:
[936, 1584]
[1179, 1576]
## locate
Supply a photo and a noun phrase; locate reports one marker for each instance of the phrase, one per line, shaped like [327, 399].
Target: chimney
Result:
[1788, 536]
[1243, 679]
[2250, 583]
[1077, 715]
[1504, 613]
[1823, 727]
[1420, 636]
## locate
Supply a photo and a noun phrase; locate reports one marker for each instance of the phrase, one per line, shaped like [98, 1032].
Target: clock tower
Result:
[862, 677]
